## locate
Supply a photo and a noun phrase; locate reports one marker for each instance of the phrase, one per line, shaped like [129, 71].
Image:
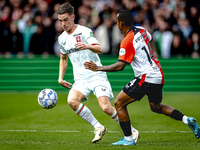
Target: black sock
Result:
[126, 127]
[177, 115]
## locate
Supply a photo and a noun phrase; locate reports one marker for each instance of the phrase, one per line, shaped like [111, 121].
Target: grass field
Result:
[25, 125]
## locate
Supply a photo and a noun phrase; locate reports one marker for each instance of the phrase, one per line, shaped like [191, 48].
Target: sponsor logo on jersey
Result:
[77, 34]
[72, 50]
[91, 34]
[122, 52]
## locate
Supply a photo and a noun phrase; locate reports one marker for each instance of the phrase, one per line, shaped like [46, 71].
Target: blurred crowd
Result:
[30, 27]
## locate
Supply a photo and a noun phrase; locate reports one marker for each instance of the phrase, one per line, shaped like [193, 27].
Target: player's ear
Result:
[122, 24]
[73, 16]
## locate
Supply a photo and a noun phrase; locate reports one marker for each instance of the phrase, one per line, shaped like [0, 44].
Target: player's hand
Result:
[65, 84]
[91, 66]
[81, 45]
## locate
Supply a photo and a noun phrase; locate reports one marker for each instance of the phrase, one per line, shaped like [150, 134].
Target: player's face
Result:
[66, 21]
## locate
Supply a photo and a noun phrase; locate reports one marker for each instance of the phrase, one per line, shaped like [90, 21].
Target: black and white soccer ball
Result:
[47, 98]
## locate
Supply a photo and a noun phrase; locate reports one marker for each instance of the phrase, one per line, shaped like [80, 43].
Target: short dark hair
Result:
[126, 17]
[65, 8]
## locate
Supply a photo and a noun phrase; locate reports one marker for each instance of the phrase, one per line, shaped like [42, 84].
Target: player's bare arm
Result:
[62, 70]
[94, 48]
[118, 66]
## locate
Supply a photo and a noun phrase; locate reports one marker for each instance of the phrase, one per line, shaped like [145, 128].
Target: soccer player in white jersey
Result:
[135, 49]
[78, 43]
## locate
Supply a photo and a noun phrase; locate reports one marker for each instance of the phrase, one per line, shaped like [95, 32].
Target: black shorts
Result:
[153, 91]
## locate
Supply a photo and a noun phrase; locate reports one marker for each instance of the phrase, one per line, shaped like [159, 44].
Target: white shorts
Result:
[100, 87]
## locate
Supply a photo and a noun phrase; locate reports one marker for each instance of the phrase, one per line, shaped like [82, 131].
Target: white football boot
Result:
[99, 133]
[135, 134]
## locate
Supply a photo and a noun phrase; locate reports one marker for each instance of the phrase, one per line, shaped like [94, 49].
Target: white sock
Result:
[133, 129]
[184, 119]
[129, 138]
[86, 114]
[115, 116]
[98, 125]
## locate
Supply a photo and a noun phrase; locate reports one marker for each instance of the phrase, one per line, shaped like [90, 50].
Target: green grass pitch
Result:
[25, 125]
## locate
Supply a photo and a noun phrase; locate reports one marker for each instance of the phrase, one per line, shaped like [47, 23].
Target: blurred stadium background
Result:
[29, 53]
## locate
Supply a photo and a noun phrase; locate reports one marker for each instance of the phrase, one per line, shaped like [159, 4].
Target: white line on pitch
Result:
[88, 131]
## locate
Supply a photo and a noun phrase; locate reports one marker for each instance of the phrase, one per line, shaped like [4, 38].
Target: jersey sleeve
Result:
[149, 36]
[127, 50]
[62, 50]
[89, 37]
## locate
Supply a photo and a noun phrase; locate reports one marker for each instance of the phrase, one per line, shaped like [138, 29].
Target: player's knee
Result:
[72, 103]
[153, 109]
[156, 108]
[105, 108]
[117, 104]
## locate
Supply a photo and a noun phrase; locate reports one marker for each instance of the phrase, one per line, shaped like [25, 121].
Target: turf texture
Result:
[25, 125]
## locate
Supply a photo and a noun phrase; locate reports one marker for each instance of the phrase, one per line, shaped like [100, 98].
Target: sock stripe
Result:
[80, 109]
[115, 116]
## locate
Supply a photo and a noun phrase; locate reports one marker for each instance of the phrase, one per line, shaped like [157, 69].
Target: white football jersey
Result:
[78, 57]
[135, 49]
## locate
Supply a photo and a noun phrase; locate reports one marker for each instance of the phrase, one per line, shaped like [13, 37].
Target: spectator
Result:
[15, 40]
[84, 13]
[49, 33]
[43, 8]
[193, 17]
[132, 6]
[27, 32]
[58, 31]
[176, 47]
[147, 14]
[4, 28]
[181, 16]
[186, 29]
[195, 46]
[55, 8]
[37, 42]
[108, 35]
[163, 38]
[2, 4]
[16, 10]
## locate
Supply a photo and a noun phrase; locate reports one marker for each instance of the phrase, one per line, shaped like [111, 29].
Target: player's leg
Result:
[106, 106]
[121, 103]
[177, 115]
[74, 100]
[104, 94]
[155, 98]
[130, 93]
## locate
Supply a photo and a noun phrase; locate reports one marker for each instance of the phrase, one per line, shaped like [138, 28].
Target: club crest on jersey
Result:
[78, 39]
[122, 52]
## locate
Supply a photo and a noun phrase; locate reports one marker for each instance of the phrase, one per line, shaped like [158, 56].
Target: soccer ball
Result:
[47, 98]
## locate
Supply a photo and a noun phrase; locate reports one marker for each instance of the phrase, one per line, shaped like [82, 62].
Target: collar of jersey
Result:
[129, 30]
